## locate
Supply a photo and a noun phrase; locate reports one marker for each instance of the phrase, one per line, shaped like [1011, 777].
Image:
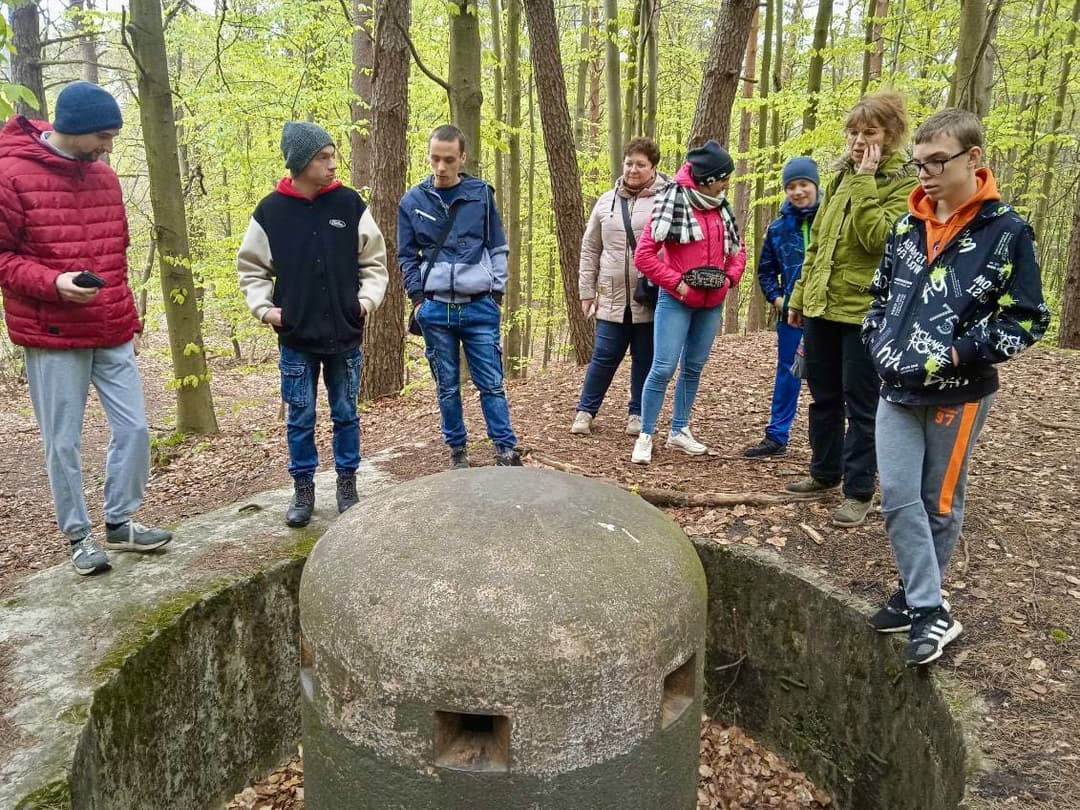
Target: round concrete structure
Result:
[502, 638]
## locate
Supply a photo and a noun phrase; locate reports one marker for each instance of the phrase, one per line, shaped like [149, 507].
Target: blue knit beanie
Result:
[801, 168]
[83, 107]
[300, 142]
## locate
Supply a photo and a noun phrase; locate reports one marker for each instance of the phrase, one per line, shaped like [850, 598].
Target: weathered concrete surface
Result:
[557, 602]
[792, 660]
[125, 629]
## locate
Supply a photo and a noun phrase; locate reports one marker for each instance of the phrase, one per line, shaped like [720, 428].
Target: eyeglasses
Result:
[933, 167]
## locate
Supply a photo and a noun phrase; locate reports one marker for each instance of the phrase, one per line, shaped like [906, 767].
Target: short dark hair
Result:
[447, 133]
[643, 146]
[963, 125]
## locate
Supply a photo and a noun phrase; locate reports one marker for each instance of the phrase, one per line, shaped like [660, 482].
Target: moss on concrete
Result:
[304, 543]
[75, 715]
[53, 796]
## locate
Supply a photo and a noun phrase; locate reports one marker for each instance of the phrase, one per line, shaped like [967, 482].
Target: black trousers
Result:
[843, 384]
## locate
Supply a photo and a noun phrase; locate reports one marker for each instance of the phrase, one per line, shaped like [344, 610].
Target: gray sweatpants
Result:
[60, 382]
[922, 455]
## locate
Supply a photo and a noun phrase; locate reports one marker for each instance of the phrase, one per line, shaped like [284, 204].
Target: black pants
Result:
[843, 383]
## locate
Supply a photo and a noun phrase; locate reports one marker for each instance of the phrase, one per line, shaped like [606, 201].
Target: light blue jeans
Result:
[60, 381]
[679, 333]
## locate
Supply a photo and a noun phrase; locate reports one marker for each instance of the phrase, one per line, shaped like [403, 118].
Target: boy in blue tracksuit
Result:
[778, 269]
[453, 254]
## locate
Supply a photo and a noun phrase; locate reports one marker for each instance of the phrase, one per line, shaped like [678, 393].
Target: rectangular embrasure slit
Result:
[472, 742]
[678, 692]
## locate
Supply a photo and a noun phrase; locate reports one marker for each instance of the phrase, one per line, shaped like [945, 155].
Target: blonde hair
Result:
[961, 124]
[886, 109]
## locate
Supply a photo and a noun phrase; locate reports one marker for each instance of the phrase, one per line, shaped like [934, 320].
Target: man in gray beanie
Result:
[313, 266]
[68, 303]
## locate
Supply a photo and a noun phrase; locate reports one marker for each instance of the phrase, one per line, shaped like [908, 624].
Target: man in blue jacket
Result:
[452, 252]
[782, 254]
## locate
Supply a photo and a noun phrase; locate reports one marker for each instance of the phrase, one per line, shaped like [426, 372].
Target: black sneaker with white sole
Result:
[931, 630]
[894, 616]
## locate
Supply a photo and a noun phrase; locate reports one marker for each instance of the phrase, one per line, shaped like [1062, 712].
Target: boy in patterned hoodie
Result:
[958, 291]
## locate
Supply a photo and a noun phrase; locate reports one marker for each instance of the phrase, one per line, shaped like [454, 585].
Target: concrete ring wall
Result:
[214, 698]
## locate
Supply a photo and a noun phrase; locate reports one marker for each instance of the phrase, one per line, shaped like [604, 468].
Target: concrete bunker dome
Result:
[502, 636]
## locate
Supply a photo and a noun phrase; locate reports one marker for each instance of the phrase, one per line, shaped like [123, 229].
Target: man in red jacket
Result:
[63, 272]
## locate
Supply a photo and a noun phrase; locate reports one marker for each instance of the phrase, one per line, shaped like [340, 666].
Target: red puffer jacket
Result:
[58, 215]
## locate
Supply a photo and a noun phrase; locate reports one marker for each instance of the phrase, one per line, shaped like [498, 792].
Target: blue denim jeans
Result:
[679, 333]
[299, 389]
[785, 395]
[474, 327]
[609, 348]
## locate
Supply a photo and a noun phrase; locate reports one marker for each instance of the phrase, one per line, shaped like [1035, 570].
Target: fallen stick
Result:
[812, 533]
[554, 463]
[1055, 425]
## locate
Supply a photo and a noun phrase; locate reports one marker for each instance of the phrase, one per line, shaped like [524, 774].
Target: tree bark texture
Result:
[652, 64]
[817, 62]
[495, 10]
[970, 88]
[194, 401]
[1069, 328]
[363, 54]
[466, 95]
[26, 59]
[384, 333]
[517, 358]
[720, 78]
[562, 162]
[613, 71]
[581, 90]
[88, 41]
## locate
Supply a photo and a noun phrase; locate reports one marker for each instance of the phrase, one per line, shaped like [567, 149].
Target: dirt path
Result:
[1015, 582]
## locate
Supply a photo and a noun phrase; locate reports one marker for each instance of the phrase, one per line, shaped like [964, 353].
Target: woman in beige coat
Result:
[607, 279]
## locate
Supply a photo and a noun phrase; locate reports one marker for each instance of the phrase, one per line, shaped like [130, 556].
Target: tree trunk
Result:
[720, 77]
[562, 162]
[742, 182]
[582, 78]
[495, 9]
[970, 88]
[194, 401]
[363, 54]
[515, 336]
[1069, 329]
[87, 41]
[466, 95]
[874, 46]
[652, 61]
[384, 332]
[26, 59]
[529, 240]
[613, 70]
[761, 210]
[817, 63]
[634, 71]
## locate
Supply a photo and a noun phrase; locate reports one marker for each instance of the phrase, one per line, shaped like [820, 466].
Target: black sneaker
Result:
[768, 447]
[459, 458]
[346, 492]
[931, 630]
[894, 616]
[507, 457]
[303, 503]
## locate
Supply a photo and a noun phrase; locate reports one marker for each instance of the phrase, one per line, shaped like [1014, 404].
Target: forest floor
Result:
[1014, 582]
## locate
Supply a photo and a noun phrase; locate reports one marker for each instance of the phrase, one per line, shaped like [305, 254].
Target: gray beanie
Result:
[300, 141]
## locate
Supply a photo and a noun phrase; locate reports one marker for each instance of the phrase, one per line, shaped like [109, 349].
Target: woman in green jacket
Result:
[829, 301]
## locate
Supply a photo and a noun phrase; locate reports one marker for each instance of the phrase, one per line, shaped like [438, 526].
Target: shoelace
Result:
[348, 488]
[88, 545]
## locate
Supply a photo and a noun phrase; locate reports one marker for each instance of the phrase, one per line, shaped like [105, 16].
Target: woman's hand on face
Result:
[794, 318]
[587, 306]
[870, 159]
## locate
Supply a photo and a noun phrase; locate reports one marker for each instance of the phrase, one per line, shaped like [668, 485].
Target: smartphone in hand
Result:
[88, 279]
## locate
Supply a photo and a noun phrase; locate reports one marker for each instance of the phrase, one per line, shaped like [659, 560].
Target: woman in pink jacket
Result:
[694, 229]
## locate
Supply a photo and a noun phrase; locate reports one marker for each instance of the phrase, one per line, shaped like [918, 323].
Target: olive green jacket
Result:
[848, 240]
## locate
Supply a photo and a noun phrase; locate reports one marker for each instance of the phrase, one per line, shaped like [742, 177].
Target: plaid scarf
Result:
[673, 220]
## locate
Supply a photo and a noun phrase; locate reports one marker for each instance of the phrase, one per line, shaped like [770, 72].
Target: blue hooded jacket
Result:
[473, 259]
[783, 249]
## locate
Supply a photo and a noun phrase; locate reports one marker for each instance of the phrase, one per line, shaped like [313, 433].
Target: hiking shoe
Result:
[459, 458]
[346, 492]
[850, 513]
[931, 630]
[684, 440]
[582, 422]
[303, 503]
[507, 457]
[810, 487]
[633, 424]
[642, 449]
[87, 557]
[894, 616]
[768, 447]
[133, 536]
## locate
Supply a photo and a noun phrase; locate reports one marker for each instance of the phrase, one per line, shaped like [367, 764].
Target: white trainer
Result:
[582, 423]
[684, 440]
[633, 425]
[642, 449]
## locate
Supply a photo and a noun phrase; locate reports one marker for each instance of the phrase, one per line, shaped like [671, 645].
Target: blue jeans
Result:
[474, 327]
[299, 389]
[785, 394]
[609, 348]
[682, 332]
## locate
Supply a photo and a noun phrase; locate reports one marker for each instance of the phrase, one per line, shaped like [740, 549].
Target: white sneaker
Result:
[685, 441]
[633, 425]
[642, 449]
[582, 423]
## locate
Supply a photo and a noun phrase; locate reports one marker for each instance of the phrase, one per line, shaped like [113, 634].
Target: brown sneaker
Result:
[851, 513]
[810, 487]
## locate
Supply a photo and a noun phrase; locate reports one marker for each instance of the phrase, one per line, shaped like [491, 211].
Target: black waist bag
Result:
[706, 277]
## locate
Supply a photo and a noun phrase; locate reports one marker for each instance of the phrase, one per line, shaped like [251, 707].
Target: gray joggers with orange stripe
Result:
[922, 455]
